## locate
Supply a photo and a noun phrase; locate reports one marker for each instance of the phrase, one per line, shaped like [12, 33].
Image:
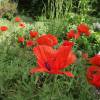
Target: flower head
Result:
[33, 34]
[17, 19]
[83, 28]
[93, 76]
[20, 39]
[68, 43]
[53, 61]
[3, 28]
[95, 60]
[72, 34]
[47, 39]
[29, 43]
[22, 25]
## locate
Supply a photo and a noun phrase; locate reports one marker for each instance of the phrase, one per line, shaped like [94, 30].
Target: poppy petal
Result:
[68, 43]
[71, 34]
[44, 54]
[44, 41]
[93, 75]
[64, 58]
[47, 39]
[95, 60]
[53, 38]
[69, 74]
[37, 69]
[83, 28]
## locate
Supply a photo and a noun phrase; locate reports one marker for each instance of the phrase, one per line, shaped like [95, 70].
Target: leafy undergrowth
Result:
[16, 83]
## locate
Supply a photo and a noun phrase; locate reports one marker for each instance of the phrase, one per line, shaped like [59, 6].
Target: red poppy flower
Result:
[3, 28]
[72, 34]
[47, 39]
[68, 43]
[29, 43]
[22, 25]
[33, 34]
[17, 19]
[83, 28]
[93, 76]
[52, 61]
[95, 60]
[20, 39]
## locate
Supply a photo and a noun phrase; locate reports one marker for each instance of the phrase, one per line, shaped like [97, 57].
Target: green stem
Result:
[53, 88]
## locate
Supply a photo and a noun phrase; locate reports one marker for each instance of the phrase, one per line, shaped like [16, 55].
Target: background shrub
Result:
[7, 8]
[57, 8]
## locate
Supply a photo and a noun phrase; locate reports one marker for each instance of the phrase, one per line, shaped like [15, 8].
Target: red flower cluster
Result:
[3, 28]
[81, 29]
[72, 34]
[53, 61]
[47, 39]
[93, 72]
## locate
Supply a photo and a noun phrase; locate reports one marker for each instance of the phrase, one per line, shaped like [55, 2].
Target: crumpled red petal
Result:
[64, 58]
[69, 74]
[47, 39]
[37, 69]
[95, 60]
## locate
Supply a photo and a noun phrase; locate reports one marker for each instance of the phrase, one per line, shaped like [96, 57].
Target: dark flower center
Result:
[47, 65]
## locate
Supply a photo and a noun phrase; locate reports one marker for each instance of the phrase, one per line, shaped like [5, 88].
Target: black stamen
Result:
[47, 66]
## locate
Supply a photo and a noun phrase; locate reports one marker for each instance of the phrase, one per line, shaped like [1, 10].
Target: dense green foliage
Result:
[8, 9]
[52, 8]
[49, 8]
